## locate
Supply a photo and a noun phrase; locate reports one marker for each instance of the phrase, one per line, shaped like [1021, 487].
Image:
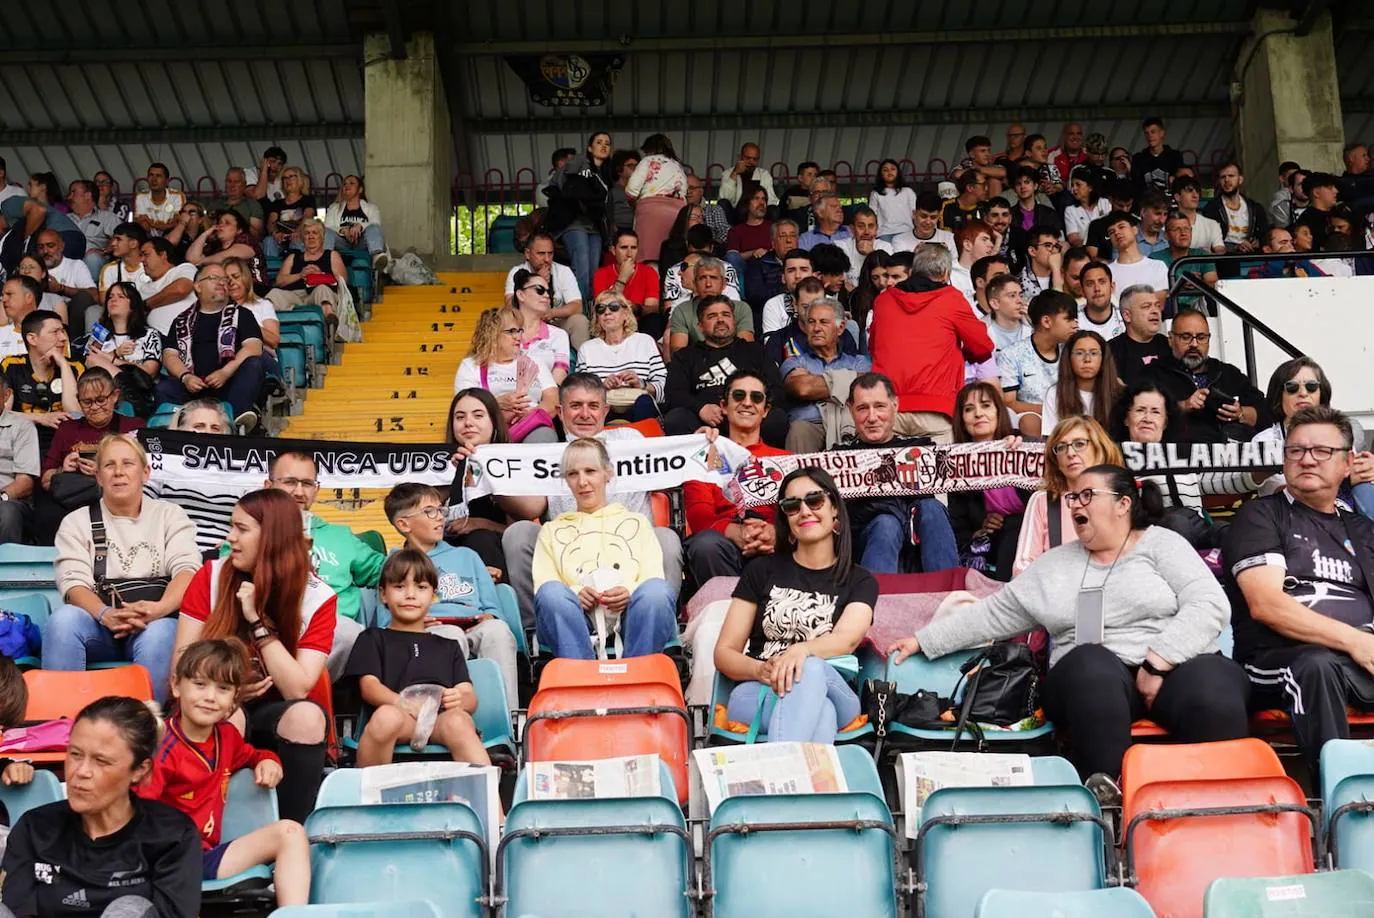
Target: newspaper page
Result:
[627, 776]
[769, 768]
[439, 782]
[923, 773]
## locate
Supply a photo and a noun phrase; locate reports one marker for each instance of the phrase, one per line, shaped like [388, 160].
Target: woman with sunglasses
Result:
[1133, 615]
[625, 359]
[523, 388]
[1076, 444]
[793, 609]
[548, 345]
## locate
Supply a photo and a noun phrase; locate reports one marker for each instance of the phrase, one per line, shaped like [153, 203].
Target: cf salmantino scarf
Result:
[183, 328]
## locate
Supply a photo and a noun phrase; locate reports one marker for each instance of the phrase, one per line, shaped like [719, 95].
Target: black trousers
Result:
[487, 544]
[709, 554]
[1090, 694]
[680, 421]
[1314, 685]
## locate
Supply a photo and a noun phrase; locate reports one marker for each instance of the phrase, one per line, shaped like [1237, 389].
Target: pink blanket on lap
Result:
[905, 601]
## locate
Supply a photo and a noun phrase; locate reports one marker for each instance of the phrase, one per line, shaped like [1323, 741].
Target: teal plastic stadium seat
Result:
[550, 863]
[27, 569]
[959, 862]
[42, 790]
[246, 809]
[510, 613]
[413, 909]
[1317, 895]
[431, 851]
[341, 787]
[842, 864]
[37, 607]
[1117, 902]
[162, 415]
[848, 667]
[501, 234]
[942, 676]
[1347, 778]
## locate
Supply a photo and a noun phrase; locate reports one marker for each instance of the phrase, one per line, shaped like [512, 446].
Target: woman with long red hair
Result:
[265, 593]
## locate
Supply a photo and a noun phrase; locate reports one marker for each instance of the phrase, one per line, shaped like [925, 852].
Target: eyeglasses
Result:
[515, 333]
[291, 484]
[791, 506]
[1319, 453]
[755, 396]
[603, 308]
[1070, 446]
[1051, 246]
[94, 401]
[538, 289]
[1199, 338]
[433, 513]
[1087, 355]
[1310, 386]
[1084, 497]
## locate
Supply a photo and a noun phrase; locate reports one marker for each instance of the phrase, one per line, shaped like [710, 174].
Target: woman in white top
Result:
[131, 349]
[241, 292]
[1087, 382]
[548, 345]
[627, 361]
[893, 202]
[31, 266]
[1088, 204]
[658, 189]
[356, 222]
[526, 392]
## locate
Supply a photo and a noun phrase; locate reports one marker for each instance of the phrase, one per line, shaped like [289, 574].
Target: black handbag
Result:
[118, 593]
[73, 490]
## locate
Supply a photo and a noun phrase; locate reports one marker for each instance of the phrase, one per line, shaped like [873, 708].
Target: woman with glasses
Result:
[626, 360]
[1087, 382]
[791, 611]
[1133, 616]
[1075, 445]
[107, 197]
[987, 524]
[600, 560]
[523, 387]
[286, 214]
[548, 345]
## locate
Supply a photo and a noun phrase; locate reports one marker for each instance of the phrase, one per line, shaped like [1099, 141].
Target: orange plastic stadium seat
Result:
[663, 509]
[650, 427]
[1149, 763]
[1147, 729]
[55, 694]
[600, 709]
[1174, 859]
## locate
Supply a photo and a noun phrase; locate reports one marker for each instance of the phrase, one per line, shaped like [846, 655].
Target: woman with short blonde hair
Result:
[627, 361]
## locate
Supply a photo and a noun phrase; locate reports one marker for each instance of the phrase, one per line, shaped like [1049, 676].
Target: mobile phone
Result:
[1088, 618]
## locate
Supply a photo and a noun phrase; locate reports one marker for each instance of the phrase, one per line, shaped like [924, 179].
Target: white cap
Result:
[947, 190]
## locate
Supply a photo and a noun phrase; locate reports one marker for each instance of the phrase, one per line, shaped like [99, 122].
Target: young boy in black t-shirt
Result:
[385, 661]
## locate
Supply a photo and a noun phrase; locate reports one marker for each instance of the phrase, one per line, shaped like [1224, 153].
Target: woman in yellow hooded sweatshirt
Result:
[599, 560]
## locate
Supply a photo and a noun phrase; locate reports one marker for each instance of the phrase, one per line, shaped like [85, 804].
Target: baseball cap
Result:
[947, 190]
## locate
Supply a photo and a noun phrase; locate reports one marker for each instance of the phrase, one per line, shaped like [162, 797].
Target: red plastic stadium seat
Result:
[663, 509]
[55, 694]
[1243, 758]
[650, 427]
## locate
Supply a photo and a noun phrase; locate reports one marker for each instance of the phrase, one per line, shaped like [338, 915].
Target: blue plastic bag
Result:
[19, 636]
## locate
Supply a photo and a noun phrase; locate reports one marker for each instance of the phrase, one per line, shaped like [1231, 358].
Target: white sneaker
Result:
[382, 260]
[246, 421]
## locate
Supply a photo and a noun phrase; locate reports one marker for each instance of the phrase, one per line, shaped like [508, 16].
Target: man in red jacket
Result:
[923, 333]
[723, 538]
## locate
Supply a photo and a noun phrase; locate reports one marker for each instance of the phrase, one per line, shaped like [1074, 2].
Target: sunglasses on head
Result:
[603, 308]
[753, 395]
[1310, 386]
[791, 506]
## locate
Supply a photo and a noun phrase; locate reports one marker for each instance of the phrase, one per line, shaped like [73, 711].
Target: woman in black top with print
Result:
[285, 215]
[793, 609]
[104, 851]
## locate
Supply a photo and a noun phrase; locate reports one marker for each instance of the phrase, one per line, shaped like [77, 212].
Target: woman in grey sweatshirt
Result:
[1133, 616]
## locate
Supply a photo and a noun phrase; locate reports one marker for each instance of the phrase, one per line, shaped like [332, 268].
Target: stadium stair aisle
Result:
[395, 385]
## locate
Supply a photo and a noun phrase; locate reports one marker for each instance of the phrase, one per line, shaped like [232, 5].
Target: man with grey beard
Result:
[1216, 398]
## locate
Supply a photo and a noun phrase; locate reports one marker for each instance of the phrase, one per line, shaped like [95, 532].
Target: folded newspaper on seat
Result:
[921, 774]
[627, 776]
[440, 782]
[769, 768]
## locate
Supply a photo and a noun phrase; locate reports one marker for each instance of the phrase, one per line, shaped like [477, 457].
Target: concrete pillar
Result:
[409, 144]
[1288, 103]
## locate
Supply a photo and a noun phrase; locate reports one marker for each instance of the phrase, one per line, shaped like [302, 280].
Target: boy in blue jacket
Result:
[467, 596]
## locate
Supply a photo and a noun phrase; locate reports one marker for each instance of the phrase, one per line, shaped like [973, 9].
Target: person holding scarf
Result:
[214, 350]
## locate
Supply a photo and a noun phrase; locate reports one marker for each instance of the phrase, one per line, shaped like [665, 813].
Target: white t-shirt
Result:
[895, 210]
[552, 350]
[1077, 217]
[72, 272]
[1049, 409]
[856, 261]
[162, 317]
[1207, 233]
[1006, 337]
[1146, 271]
[565, 289]
[263, 310]
[144, 206]
[1109, 329]
[11, 342]
[960, 279]
[500, 379]
[907, 242]
[778, 311]
[117, 271]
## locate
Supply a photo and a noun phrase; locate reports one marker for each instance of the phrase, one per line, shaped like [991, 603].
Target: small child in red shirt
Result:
[198, 754]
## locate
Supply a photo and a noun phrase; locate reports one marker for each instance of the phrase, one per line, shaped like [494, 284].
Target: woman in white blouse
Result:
[626, 360]
[658, 189]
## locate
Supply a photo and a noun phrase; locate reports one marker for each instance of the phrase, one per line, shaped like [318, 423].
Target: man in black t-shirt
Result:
[1300, 569]
[1140, 344]
[1155, 165]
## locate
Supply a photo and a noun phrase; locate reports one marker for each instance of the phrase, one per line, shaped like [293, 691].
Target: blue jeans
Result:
[74, 639]
[648, 624]
[1364, 499]
[271, 248]
[242, 391]
[584, 250]
[813, 712]
[882, 540]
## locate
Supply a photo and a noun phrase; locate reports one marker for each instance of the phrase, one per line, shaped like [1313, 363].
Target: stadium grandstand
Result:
[592, 459]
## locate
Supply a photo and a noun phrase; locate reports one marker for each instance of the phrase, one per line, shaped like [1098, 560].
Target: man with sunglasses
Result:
[723, 537]
[697, 375]
[1300, 571]
[1216, 398]
[342, 560]
[882, 526]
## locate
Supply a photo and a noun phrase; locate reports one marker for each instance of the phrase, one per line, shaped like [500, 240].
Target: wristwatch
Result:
[1154, 670]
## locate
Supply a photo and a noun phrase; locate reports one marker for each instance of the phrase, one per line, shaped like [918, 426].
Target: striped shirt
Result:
[209, 512]
[638, 353]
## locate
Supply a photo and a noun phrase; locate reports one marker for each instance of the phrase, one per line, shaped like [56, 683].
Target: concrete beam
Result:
[116, 55]
[857, 40]
[187, 134]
